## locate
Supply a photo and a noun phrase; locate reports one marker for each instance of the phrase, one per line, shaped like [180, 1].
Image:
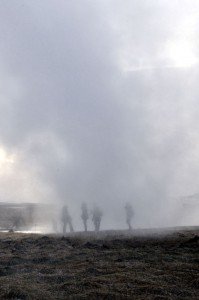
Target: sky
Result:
[99, 103]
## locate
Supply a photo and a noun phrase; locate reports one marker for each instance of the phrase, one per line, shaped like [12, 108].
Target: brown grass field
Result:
[112, 265]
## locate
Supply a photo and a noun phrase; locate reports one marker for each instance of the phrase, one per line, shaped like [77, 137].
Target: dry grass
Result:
[105, 267]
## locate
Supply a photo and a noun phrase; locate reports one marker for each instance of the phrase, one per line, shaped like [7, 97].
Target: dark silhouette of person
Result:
[84, 215]
[97, 216]
[129, 214]
[66, 219]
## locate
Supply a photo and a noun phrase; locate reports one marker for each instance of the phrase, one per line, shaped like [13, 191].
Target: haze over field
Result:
[99, 103]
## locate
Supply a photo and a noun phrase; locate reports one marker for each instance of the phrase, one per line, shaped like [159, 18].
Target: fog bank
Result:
[98, 104]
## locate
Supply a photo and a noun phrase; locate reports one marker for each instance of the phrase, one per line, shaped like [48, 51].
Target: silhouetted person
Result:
[97, 216]
[84, 215]
[66, 219]
[129, 214]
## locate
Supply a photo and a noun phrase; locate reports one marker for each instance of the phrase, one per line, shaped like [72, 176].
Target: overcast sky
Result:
[99, 103]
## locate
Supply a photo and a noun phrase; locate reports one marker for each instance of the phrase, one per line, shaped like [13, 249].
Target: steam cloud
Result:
[97, 105]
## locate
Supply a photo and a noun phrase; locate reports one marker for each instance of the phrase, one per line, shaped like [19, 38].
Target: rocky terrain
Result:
[140, 265]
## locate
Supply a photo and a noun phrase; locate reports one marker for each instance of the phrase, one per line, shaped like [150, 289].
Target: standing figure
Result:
[66, 219]
[129, 214]
[97, 216]
[84, 215]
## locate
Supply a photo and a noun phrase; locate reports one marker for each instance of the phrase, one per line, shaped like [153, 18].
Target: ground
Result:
[141, 265]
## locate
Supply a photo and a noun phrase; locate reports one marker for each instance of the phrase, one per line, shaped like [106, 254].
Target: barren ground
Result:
[143, 265]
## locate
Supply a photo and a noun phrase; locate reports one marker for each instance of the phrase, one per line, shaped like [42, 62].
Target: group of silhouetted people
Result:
[96, 217]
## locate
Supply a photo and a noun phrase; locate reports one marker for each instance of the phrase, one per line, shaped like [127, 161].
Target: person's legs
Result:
[130, 227]
[95, 224]
[64, 228]
[71, 226]
[85, 225]
[98, 225]
[129, 224]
